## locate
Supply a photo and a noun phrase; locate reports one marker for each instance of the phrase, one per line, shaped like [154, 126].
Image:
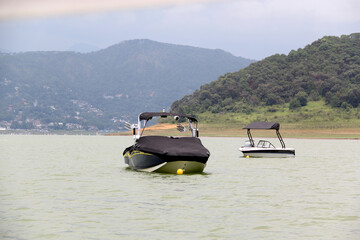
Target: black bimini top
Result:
[263, 125]
[148, 115]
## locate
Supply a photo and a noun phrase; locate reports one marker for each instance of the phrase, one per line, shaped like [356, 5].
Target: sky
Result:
[252, 29]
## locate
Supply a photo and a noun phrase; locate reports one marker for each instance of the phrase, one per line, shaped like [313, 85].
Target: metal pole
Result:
[280, 138]
[250, 138]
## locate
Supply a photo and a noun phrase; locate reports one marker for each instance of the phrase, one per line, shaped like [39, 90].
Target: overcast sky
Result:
[249, 28]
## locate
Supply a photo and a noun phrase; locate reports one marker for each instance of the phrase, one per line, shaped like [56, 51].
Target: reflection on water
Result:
[77, 187]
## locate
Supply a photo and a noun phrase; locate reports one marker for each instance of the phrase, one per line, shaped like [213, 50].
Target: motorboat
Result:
[166, 154]
[265, 148]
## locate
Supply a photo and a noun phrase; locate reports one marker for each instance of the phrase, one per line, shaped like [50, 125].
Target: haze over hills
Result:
[327, 70]
[83, 48]
[94, 91]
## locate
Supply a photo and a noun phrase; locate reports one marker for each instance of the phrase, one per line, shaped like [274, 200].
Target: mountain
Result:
[4, 50]
[328, 70]
[83, 48]
[69, 90]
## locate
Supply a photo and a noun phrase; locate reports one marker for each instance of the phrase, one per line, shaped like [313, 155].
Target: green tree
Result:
[294, 103]
[302, 98]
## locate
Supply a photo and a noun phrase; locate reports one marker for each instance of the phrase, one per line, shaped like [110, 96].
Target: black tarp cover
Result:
[263, 125]
[172, 146]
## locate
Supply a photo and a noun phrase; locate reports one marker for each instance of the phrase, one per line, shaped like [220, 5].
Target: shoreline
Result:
[212, 130]
[207, 130]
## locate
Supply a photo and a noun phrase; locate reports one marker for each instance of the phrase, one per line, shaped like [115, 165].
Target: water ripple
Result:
[77, 187]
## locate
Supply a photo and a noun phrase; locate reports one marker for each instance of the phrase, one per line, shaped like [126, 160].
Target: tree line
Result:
[328, 69]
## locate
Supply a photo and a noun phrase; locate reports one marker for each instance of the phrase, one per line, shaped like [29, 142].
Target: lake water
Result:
[78, 187]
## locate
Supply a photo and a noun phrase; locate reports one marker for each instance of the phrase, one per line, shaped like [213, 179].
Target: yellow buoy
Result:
[179, 171]
[247, 156]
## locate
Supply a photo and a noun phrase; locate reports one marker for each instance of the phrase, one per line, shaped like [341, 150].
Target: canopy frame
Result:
[144, 117]
[266, 126]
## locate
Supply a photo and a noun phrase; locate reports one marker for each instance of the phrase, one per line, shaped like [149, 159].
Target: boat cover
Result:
[263, 125]
[172, 147]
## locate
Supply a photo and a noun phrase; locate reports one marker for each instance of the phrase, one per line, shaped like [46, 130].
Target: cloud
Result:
[18, 9]
[340, 11]
[248, 28]
[258, 28]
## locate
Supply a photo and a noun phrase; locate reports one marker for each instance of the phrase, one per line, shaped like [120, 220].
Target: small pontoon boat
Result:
[265, 148]
[166, 154]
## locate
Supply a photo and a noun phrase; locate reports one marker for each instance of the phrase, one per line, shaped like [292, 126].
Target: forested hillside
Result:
[327, 70]
[94, 91]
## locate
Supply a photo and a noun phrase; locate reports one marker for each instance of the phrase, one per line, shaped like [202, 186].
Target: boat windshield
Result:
[175, 124]
[265, 144]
